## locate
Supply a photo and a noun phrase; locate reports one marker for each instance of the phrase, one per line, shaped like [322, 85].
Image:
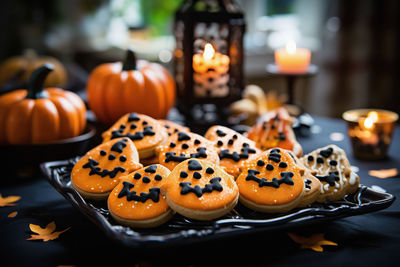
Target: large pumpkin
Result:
[115, 89]
[39, 115]
[20, 68]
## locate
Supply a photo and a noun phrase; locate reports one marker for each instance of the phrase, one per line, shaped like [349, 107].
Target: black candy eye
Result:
[260, 163]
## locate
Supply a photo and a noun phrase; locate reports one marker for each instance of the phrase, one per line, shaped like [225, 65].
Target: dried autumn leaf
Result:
[46, 233]
[314, 242]
[12, 214]
[8, 201]
[384, 173]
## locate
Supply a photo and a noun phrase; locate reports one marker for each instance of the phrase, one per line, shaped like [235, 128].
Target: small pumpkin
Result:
[20, 68]
[39, 115]
[115, 89]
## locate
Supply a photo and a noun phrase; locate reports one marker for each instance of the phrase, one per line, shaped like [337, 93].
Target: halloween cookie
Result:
[137, 202]
[201, 190]
[233, 148]
[272, 182]
[98, 172]
[145, 132]
[330, 165]
[184, 146]
[275, 130]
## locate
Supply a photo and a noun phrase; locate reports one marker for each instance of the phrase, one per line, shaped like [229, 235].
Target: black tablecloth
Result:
[364, 240]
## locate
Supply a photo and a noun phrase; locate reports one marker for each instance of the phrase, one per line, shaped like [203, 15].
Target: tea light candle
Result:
[211, 73]
[370, 131]
[292, 59]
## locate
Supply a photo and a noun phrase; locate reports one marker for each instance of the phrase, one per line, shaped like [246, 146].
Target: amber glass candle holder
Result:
[370, 132]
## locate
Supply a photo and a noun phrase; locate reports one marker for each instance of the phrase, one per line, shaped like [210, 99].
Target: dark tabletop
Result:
[364, 240]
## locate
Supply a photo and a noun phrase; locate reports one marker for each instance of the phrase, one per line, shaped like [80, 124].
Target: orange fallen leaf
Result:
[12, 214]
[314, 242]
[384, 173]
[8, 201]
[46, 233]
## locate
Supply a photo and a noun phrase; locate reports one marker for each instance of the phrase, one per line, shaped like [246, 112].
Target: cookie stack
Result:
[149, 169]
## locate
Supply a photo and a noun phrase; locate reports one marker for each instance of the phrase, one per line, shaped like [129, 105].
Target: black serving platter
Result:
[21, 159]
[180, 230]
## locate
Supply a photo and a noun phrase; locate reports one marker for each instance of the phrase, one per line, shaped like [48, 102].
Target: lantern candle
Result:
[292, 59]
[211, 73]
[370, 131]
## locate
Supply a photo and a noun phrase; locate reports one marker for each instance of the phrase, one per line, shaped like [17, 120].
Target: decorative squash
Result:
[20, 68]
[39, 115]
[115, 89]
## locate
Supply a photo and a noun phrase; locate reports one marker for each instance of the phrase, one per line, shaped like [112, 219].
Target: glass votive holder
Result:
[370, 132]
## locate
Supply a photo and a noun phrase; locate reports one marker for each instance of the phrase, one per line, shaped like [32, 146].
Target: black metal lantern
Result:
[208, 58]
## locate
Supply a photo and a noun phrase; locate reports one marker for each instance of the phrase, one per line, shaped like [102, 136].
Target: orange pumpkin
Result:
[22, 67]
[39, 115]
[115, 89]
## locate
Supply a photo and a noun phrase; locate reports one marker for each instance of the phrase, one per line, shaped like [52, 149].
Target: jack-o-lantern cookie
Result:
[137, 202]
[201, 190]
[275, 130]
[272, 182]
[98, 172]
[145, 132]
[184, 146]
[330, 165]
[234, 148]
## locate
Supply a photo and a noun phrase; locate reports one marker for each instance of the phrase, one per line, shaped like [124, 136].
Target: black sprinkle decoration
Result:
[310, 158]
[286, 179]
[276, 157]
[282, 165]
[147, 131]
[158, 177]
[260, 163]
[122, 158]
[111, 157]
[209, 170]
[198, 191]
[154, 193]
[320, 160]
[183, 174]
[119, 146]
[331, 178]
[91, 164]
[326, 153]
[171, 156]
[151, 169]
[220, 133]
[182, 136]
[194, 165]
[137, 176]
[146, 179]
[103, 153]
[269, 167]
[197, 175]
[133, 117]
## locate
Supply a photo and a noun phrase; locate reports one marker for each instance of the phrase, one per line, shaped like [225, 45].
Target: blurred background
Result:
[355, 43]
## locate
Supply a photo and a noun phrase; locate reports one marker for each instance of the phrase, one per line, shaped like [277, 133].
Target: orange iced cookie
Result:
[136, 201]
[183, 146]
[98, 172]
[272, 182]
[234, 149]
[145, 132]
[275, 130]
[201, 190]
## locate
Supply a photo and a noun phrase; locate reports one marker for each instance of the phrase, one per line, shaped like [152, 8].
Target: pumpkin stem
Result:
[130, 60]
[36, 81]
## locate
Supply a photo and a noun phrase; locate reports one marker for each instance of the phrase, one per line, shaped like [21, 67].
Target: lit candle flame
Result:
[371, 118]
[208, 51]
[291, 47]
